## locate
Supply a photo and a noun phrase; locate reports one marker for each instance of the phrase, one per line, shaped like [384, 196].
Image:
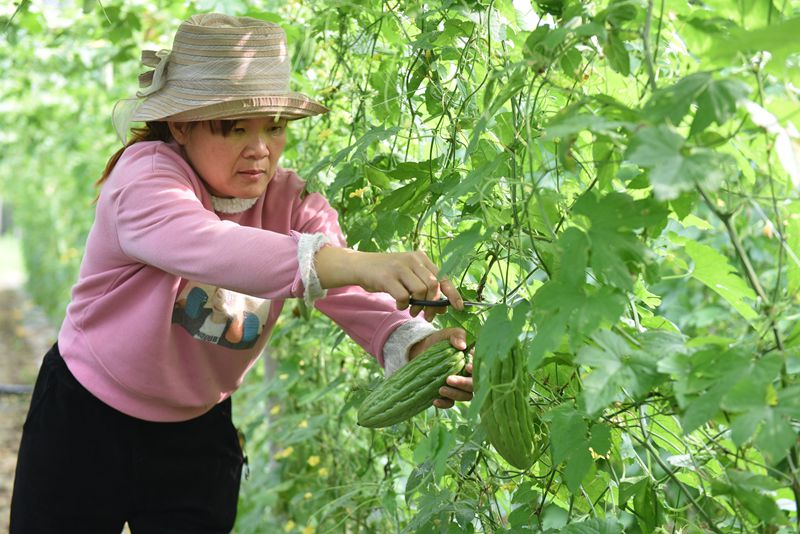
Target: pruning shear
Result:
[446, 302]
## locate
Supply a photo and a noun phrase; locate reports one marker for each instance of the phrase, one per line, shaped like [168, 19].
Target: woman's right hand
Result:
[400, 274]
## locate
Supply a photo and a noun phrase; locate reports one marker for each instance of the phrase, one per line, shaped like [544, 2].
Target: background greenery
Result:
[621, 176]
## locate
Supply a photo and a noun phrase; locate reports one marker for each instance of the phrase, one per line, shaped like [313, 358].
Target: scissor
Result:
[445, 302]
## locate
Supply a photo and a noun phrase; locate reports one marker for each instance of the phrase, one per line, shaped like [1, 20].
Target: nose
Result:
[257, 147]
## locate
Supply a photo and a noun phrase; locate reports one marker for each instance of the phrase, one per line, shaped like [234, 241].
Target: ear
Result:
[179, 131]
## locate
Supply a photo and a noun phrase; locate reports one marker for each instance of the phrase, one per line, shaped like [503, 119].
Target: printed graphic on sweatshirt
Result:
[220, 316]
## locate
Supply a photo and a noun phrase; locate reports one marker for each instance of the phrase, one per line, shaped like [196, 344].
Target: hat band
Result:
[231, 76]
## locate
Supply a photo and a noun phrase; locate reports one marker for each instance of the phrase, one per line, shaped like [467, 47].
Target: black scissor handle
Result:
[441, 303]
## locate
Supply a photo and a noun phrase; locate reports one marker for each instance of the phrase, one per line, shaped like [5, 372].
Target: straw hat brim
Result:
[290, 106]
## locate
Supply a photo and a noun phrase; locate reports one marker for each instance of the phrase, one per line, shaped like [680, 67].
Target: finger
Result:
[418, 288]
[443, 285]
[431, 283]
[399, 293]
[468, 369]
[443, 403]
[455, 394]
[450, 291]
[459, 339]
[429, 279]
[463, 383]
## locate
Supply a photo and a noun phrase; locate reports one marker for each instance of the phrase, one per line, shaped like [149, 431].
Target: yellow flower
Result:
[307, 495]
[275, 409]
[283, 376]
[289, 526]
[323, 471]
[285, 453]
[358, 192]
[324, 134]
[313, 461]
[303, 423]
[308, 530]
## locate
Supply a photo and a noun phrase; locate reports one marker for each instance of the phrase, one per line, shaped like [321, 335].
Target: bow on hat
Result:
[153, 80]
[219, 67]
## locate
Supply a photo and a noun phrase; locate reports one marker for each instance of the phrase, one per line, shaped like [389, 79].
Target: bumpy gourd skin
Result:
[413, 388]
[506, 414]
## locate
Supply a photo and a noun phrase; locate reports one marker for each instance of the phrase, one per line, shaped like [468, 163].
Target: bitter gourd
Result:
[412, 388]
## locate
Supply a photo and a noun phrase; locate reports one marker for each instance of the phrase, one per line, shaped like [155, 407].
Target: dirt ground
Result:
[25, 336]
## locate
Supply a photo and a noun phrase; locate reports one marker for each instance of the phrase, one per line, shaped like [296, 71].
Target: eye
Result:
[238, 130]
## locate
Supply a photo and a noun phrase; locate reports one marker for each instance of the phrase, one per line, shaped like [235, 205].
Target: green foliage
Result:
[620, 176]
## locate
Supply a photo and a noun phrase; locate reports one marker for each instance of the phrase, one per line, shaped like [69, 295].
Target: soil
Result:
[25, 336]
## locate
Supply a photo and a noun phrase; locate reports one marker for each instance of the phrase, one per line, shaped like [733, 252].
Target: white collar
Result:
[232, 205]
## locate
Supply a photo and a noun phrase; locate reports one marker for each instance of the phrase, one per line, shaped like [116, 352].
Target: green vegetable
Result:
[411, 389]
[506, 414]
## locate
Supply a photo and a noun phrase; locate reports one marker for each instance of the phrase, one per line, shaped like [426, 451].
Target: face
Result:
[239, 164]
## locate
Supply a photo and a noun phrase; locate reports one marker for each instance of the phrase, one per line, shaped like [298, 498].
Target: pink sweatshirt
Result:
[175, 302]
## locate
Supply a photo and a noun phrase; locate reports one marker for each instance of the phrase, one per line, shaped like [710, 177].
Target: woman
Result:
[130, 418]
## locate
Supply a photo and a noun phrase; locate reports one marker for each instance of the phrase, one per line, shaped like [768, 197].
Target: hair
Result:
[159, 131]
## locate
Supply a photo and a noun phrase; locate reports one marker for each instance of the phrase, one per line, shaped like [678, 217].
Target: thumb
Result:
[458, 338]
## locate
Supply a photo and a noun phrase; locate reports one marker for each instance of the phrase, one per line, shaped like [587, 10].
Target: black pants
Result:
[86, 468]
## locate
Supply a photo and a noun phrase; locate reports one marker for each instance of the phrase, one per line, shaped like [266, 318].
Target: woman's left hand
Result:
[458, 388]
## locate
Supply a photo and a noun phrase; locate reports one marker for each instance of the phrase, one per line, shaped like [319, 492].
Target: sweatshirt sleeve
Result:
[160, 220]
[368, 318]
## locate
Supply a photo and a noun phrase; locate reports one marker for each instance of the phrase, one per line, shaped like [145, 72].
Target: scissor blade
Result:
[482, 304]
[446, 302]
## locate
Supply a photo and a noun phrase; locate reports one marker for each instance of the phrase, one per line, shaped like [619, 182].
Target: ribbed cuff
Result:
[395, 351]
[307, 247]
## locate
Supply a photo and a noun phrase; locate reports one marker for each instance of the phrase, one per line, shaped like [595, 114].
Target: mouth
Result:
[253, 173]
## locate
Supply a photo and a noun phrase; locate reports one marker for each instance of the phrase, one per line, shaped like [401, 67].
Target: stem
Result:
[648, 58]
[654, 454]
[726, 219]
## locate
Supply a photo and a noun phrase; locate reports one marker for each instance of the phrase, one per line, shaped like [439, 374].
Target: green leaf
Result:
[543, 211]
[747, 425]
[713, 270]
[606, 160]
[600, 440]
[762, 507]
[568, 444]
[567, 432]
[749, 481]
[404, 195]
[617, 54]
[567, 125]
[673, 169]
[717, 103]
[458, 251]
[752, 389]
[708, 376]
[566, 304]
[478, 181]
[560, 308]
[616, 251]
[778, 39]
[415, 479]
[576, 467]
[776, 437]
[618, 370]
[435, 448]
[630, 487]
[596, 525]
[792, 236]
[672, 102]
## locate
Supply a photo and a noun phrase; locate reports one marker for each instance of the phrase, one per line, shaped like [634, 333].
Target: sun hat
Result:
[219, 67]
